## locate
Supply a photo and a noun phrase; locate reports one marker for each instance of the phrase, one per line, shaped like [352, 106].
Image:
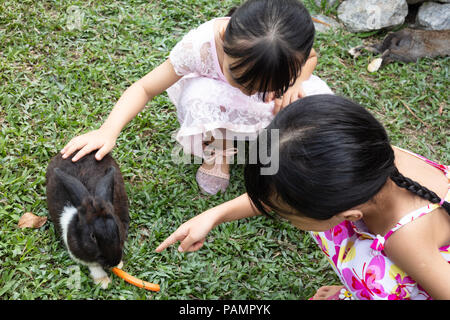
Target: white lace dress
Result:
[207, 105]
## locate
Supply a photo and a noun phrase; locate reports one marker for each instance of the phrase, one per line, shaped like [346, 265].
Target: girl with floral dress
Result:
[227, 79]
[379, 213]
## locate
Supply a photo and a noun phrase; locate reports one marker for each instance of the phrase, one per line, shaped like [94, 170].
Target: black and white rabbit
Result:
[88, 204]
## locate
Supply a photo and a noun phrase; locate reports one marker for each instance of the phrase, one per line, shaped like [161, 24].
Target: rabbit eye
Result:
[93, 237]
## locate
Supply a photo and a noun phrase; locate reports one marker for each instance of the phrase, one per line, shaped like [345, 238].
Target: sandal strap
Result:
[218, 153]
[215, 171]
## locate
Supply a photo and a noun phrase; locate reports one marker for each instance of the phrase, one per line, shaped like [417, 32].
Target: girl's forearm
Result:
[238, 208]
[192, 233]
[132, 101]
[307, 69]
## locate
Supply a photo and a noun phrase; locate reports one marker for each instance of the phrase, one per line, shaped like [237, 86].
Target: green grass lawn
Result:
[57, 82]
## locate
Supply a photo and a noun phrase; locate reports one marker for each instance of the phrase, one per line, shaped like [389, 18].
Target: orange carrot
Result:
[135, 281]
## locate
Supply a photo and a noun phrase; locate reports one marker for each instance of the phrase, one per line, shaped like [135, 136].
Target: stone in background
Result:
[369, 15]
[434, 16]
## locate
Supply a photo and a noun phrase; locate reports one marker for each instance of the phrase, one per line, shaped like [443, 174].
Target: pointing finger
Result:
[174, 237]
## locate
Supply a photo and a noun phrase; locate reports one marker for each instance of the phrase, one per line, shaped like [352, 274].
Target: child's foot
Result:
[332, 293]
[212, 178]
[214, 174]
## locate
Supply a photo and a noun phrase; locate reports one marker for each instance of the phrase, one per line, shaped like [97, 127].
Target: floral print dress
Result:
[358, 258]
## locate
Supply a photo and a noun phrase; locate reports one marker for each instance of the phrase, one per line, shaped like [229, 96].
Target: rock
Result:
[434, 16]
[420, 1]
[331, 24]
[328, 3]
[368, 15]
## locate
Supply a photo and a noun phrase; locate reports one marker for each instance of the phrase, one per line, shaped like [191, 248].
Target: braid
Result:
[416, 188]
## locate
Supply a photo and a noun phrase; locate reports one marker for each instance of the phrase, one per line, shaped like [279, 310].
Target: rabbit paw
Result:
[99, 275]
[104, 282]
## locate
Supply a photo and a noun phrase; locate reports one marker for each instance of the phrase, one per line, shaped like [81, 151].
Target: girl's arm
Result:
[307, 68]
[414, 249]
[192, 233]
[132, 101]
[296, 90]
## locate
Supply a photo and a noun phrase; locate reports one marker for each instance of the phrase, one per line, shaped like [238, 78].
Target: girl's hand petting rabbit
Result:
[100, 139]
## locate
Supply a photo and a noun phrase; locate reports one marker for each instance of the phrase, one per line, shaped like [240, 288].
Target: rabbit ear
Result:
[77, 191]
[105, 187]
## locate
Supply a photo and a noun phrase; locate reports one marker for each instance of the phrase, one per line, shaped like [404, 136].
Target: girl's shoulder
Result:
[420, 240]
[196, 52]
[442, 167]
[421, 251]
[426, 217]
[204, 31]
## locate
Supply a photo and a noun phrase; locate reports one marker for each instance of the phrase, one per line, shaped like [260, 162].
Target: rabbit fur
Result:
[88, 204]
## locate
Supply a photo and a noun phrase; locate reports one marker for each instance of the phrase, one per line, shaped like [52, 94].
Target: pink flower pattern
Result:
[401, 291]
[359, 260]
[367, 286]
[339, 233]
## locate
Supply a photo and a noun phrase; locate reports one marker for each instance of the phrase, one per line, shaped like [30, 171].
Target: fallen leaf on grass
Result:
[30, 220]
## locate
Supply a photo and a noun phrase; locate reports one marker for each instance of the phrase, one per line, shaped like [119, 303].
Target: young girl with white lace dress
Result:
[227, 79]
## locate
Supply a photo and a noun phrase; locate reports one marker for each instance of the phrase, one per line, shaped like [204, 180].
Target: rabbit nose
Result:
[112, 261]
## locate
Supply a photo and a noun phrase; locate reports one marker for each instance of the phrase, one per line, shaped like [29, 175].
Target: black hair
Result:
[333, 155]
[270, 40]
